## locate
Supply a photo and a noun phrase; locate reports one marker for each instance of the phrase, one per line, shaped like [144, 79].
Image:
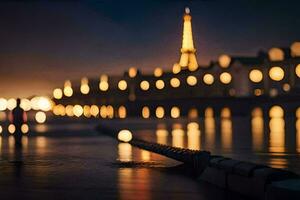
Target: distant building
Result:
[272, 74]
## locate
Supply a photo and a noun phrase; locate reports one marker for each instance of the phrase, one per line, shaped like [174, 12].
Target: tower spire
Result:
[188, 57]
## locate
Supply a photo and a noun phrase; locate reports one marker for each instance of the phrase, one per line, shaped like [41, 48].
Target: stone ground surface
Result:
[92, 167]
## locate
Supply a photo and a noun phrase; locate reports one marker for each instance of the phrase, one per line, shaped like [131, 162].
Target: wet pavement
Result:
[92, 167]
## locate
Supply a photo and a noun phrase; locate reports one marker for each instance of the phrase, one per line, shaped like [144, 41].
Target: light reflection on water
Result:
[261, 138]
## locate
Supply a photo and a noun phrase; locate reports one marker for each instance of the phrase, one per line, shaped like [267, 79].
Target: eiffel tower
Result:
[188, 58]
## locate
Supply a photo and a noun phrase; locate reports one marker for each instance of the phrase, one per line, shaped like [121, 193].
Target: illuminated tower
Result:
[188, 57]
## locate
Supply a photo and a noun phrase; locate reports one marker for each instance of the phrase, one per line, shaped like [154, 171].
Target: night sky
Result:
[42, 43]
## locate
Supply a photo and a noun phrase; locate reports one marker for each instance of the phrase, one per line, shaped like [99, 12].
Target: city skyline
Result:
[115, 39]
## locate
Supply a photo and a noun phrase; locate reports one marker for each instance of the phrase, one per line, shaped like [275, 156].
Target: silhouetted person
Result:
[18, 118]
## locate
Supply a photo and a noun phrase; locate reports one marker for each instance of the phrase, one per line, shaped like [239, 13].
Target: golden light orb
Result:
[1, 129]
[122, 112]
[110, 111]
[84, 88]
[276, 54]
[132, 72]
[224, 61]
[175, 112]
[295, 49]
[145, 85]
[103, 86]
[286, 87]
[145, 112]
[191, 80]
[68, 91]
[160, 84]
[94, 110]
[3, 104]
[57, 93]
[125, 136]
[256, 76]
[175, 82]
[208, 79]
[41, 103]
[276, 73]
[87, 111]
[24, 128]
[122, 85]
[40, 117]
[176, 68]
[25, 104]
[11, 129]
[69, 110]
[77, 110]
[158, 72]
[225, 78]
[103, 111]
[160, 112]
[297, 70]
[11, 104]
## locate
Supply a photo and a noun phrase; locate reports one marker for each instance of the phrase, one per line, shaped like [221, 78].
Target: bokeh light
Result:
[145, 85]
[276, 73]
[225, 78]
[125, 136]
[160, 84]
[57, 93]
[175, 82]
[208, 79]
[191, 80]
[122, 85]
[40, 117]
[158, 72]
[256, 76]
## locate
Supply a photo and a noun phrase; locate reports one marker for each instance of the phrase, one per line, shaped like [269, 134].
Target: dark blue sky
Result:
[43, 43]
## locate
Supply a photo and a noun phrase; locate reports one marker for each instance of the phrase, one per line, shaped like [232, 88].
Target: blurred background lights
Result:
[175, 112]
[24, 128]
[160, 112]
[224, 61]
[68, 91]
[122, 85]
[276, 54]
[84, 88]
[11, 104]
[145, 112]
[3, 104]
[57, 93]
[255, 75]
[125, 136]
[276, 73]
[175, 82]
[176, 68]
[25, 104]
[11, 129]
[297, 70]
[191, 80]
[208, 79]
[77, 110]
[144, 85]
[160, 84]
[295, 49]
[132, 72]
[40, 117]
[225, 78]
[158, 72]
